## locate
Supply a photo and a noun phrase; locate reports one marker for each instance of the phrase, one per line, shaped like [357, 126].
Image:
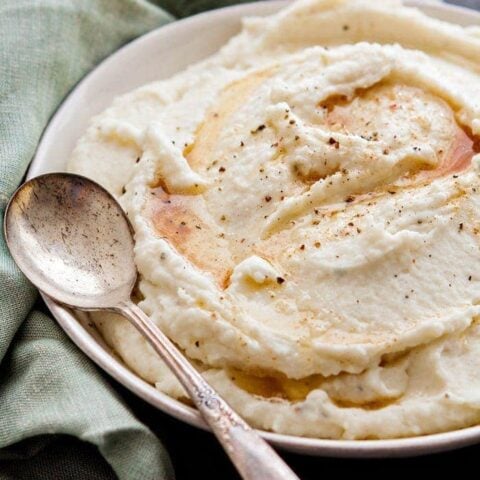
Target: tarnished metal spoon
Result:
[73, 241]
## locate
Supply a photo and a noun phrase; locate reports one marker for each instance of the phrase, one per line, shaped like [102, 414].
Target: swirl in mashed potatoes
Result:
[306, 205]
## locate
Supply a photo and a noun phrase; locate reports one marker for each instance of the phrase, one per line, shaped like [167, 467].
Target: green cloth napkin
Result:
[47, 386]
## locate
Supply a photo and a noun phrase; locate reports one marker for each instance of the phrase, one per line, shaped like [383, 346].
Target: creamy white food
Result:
[306, 214]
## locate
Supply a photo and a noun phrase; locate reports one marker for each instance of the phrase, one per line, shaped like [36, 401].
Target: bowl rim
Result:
[78, 327]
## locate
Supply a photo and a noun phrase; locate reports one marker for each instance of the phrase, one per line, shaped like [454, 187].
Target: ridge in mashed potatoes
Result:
[306, 214]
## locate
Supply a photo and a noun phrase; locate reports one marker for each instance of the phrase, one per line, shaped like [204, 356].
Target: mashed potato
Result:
[306, 208]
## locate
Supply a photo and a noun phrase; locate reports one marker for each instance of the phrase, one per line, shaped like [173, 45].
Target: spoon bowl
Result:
[72, 240]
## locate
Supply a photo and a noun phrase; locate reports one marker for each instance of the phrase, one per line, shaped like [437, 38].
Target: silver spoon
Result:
[73, 241]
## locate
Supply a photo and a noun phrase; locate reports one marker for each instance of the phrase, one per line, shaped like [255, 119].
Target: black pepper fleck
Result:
[258, 129]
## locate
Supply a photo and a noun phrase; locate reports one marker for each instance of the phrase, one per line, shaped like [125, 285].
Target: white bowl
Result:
[158, 55]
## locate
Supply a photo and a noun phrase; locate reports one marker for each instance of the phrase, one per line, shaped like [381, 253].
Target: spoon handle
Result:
[251, 455]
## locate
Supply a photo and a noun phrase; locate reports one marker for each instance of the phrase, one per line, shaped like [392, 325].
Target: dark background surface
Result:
[196, 454]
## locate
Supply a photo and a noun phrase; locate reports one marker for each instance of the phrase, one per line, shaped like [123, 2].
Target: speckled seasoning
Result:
[307, 219]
